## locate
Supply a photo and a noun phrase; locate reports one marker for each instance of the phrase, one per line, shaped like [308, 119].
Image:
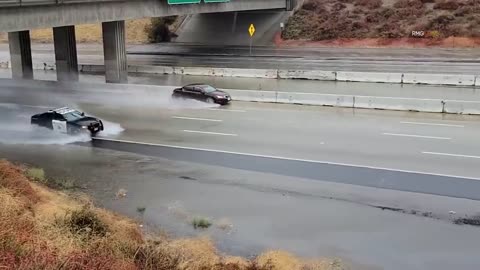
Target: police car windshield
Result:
[72, 115]
[208, 89]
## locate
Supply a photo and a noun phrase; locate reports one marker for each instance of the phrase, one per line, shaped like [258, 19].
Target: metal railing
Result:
[20, 3]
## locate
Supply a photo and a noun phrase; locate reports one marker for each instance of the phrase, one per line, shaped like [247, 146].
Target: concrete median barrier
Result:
[364, 102]
[226, 72]
[250, 73]
[398, 104]
[307, 75]
[194, 71]
[369, 77]
[461, 107]
[439, 79]
[92, 68]
[151, 69]
[252, 95]
[5, 64]
[315, 99]
[477, 80]
[43, 66]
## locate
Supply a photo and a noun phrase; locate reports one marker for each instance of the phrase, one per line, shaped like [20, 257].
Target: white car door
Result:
[60, 126]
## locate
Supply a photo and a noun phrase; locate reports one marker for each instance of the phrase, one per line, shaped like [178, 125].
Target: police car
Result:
[69, 121]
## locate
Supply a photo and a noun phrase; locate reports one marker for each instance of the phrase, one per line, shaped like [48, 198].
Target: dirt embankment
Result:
[380, 23]
[92, 33]
[42, 228]
[138, 31]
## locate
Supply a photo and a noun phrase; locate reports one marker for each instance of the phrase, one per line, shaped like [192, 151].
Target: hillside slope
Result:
[356, 19]
[44, 228]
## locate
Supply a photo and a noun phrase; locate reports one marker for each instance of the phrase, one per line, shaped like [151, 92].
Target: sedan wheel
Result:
[210, 100]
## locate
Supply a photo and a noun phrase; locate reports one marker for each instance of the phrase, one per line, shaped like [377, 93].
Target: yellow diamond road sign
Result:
[251, 30]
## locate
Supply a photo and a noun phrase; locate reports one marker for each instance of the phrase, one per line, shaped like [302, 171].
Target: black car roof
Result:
[196, 84]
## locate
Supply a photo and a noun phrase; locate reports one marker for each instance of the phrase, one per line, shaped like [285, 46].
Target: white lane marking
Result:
[195, 118]
[416, 136]
[209, 133]
[284, 158]
[431, 124]
[450, 155]
[226, 110]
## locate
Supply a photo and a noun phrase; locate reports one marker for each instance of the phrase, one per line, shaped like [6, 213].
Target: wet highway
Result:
[394, 151]
[268, 211]
[299, 178]
[458, 61]
[427, 153]
[298, 86]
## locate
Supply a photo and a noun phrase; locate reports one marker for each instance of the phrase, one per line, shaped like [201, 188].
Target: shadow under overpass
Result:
[231, 28]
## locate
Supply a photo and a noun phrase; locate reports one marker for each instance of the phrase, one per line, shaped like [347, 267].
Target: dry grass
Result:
[45, 229]
[136, 32]
[92, 33]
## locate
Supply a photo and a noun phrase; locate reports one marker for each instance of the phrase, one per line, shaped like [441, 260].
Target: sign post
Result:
[251, 31]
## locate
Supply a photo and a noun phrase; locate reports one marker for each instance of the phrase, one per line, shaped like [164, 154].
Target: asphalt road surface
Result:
[398, 151]
[428, 153]
[458, 61]
[293, 177]
[299, 86]
[265, 211]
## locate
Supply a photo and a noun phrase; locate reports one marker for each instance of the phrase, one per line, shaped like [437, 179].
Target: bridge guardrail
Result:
[20, 3]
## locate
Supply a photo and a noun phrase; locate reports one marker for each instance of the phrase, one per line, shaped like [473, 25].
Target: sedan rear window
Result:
[208, 89]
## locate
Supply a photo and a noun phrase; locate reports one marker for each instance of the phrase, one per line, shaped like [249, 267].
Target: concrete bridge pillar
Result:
[20, 54]
[115, 55]
[65, 53]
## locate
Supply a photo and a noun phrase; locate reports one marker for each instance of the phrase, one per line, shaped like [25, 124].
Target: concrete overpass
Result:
[19, 16]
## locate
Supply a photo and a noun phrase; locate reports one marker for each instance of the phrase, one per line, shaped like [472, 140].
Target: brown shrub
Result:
[325, 32]
[373, 18]
[390, 30]
[406, 14]
[338, 6]
[427, 1]
[408, 4]
[440, 22]
[473, 3]
[13, 179]
[466, 10]
[358, 10]
[312, 5]
[301, 25]
[455, 30]
[354, 16]
[447, 5]
[370, 4]
[401, 4]
[380, 15]
[86, 222]
[158, 30]
[96, 260]
[386, 13]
